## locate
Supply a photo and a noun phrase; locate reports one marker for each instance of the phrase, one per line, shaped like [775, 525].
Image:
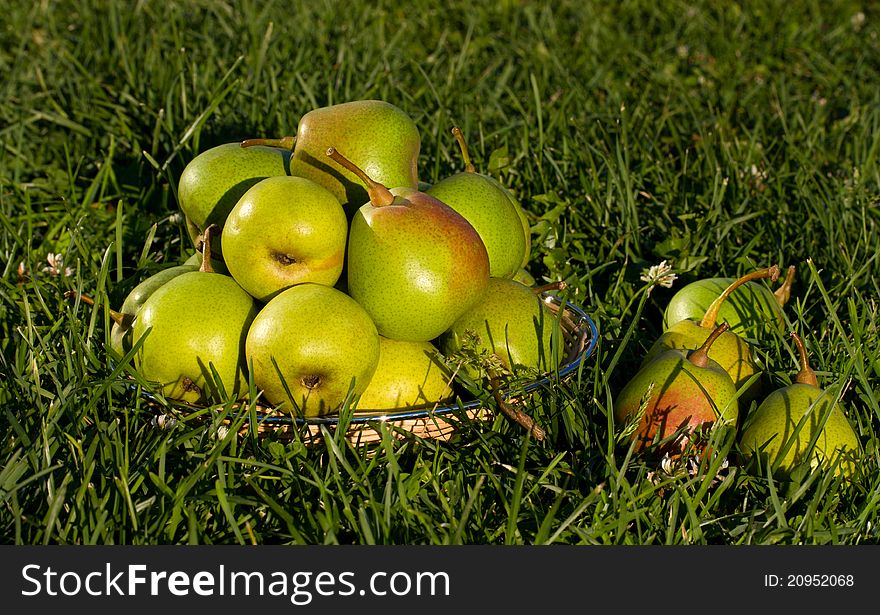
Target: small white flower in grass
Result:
[659, 275]
[56, 266]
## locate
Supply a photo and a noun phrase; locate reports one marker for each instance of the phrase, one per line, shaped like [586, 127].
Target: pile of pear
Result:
[701, 375]
[326, 273]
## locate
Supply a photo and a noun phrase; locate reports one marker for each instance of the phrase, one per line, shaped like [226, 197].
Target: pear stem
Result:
[559, 285]
[806, 375]
[380, 196]
[206, 248]
[700, 356]
[711, 315]
[118, 317]
[465, 154]
[783, 293]
[515, 414]
[283, 142]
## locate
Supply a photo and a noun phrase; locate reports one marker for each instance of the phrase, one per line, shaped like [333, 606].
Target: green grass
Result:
[717, 136]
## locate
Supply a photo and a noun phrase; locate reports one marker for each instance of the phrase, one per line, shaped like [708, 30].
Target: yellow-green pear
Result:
[487, 205]
[194, 326]
[309, 347]
[409, 374]
[285, 231]
[789, 419]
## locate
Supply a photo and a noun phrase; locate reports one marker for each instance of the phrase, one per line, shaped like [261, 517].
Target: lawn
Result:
[717, 137]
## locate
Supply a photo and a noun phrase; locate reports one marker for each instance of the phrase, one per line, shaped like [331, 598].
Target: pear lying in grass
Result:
[732, 352]
[408, 374]
[753, 311]
[193, 329]
[679, 390]
[213, 182]
[284, 231]
[792, 418]
[490, 209]
[310, 347]
[414, 263]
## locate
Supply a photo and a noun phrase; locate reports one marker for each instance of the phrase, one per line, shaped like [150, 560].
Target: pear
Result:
[790, 418]
[490, 209]
[679, 389]
[414, 263]
[213, 182]
[408, 374]
[309, 347]
[123, 320]
[511, 323]
[377, 136]
[730, 351]
[285, 231]
[195, 325]
[753, 311]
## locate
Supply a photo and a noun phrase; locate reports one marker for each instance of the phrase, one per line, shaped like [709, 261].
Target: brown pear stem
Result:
[465, 154]
[206, 248]
[783, 293]
[711, 315]
[118, 317]
[283, 142]
[515, 414]
[559, 285]
[700, 356]
[806, 375]
[380, 196]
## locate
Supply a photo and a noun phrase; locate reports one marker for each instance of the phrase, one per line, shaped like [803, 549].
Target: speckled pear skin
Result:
[486, 205]
[120, 334]
[510, 321]
[729, 350]
[524, 221]
[377, 136]
[415, 265]
[213, 181]
[195, 320]
[408, 374]
[322, 342]
[683, 394]
[774, 422]
[285, 231]
[752, 311]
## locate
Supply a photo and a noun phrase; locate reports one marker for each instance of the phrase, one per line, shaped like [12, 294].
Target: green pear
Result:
[285, 231]
[790, 418]
[753, 311]
[414, 263]
[731, 351]
[527, 230]
[510, 322]
[309, 347]
[490, 209]
[213, 182]
[408, 374]
[123, 324]
[376, 135]
[680, 389]
[192, 326]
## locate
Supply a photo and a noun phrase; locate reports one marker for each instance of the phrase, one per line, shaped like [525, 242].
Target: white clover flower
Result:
[659, 275]
[56, 266]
